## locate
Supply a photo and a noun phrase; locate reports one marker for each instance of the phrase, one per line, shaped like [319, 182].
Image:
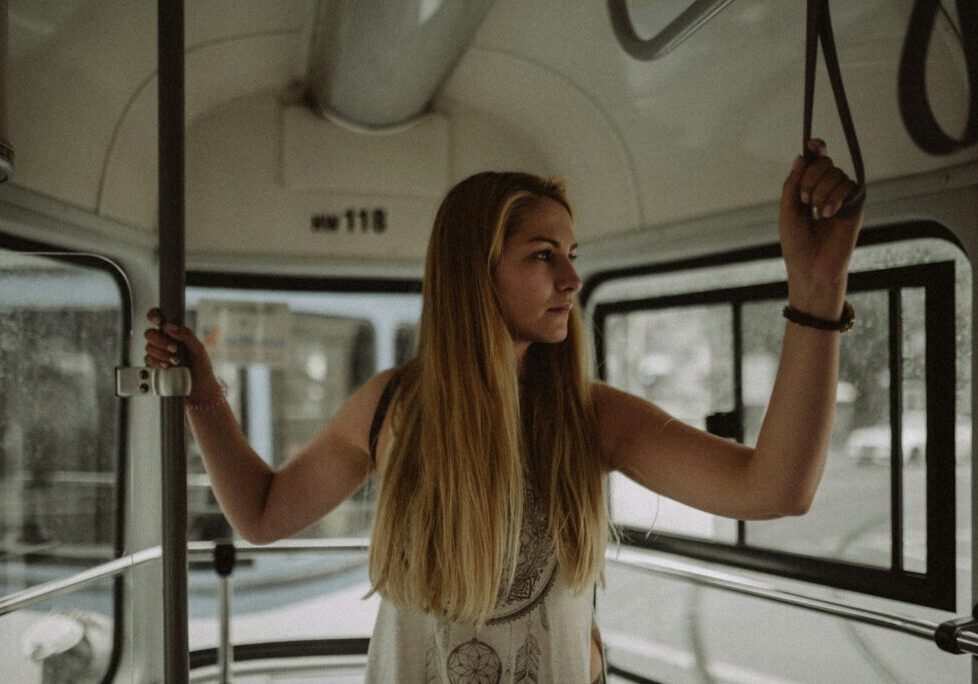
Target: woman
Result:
[493, 447]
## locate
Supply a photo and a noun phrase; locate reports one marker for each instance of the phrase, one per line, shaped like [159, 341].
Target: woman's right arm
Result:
[263, 504]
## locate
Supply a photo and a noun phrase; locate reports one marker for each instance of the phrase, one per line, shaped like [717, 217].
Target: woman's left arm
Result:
[778, 476]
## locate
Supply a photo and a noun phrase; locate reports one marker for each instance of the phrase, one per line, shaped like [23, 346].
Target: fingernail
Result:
[172, 348]
[175, 361]
[815, 213]
[804, 197]
[829, 211]
[164, 365]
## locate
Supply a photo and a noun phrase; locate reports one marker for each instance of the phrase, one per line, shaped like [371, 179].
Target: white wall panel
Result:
[322, 156]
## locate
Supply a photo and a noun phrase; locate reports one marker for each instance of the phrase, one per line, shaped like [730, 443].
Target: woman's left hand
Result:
[817, 243]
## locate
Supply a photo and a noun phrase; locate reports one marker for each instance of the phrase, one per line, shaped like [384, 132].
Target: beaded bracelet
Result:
[844, 324]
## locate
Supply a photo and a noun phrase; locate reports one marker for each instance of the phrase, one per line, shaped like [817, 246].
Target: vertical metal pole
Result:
[224, 644]
[171, 250]
[224, 559]
[6, 150]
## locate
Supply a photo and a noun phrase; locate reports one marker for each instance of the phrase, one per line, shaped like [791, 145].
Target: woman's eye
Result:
[572, 257]
[543, 256]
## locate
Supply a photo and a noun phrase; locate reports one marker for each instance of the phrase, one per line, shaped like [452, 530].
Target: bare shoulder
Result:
[354, 418]
[345, 438]
[623, 419]
[613, 404]
[328, 468]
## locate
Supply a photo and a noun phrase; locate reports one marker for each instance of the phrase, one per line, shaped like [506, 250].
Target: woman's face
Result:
[535, 277]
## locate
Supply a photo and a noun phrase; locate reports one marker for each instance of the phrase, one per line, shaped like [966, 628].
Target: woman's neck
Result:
[521, 349]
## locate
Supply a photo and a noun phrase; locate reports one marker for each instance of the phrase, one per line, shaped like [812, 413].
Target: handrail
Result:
[666, 40]
[925, 629]
[629, 558]
[47, 590]
[199, 550]
[204, 550]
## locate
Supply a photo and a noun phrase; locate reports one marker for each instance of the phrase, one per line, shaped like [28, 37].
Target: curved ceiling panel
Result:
[713, 126]
[217, 73]
[579, 142]
[708, 129]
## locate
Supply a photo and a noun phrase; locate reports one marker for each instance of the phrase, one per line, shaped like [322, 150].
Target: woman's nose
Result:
[568, 280]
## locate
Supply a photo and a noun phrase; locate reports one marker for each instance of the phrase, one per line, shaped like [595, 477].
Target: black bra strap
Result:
[379, 413]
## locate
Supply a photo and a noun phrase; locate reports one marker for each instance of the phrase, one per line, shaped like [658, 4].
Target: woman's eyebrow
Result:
[555, 243]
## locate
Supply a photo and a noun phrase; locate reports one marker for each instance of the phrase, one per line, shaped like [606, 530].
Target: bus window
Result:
[62, 326]
[902, 436]
[335, 342]
[689, 373]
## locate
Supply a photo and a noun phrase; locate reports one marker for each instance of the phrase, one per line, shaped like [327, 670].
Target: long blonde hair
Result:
[450, 504]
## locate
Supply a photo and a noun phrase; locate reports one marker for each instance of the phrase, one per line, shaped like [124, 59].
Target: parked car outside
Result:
[870, 445]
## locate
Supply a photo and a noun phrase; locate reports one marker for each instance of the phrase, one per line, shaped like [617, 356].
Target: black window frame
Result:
[936, 587]
[109, 265]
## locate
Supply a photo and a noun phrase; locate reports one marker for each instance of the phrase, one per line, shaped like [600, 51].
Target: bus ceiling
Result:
[915, 109]
[377, 64]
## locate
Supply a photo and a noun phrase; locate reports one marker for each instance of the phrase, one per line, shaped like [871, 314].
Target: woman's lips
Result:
[564, 308]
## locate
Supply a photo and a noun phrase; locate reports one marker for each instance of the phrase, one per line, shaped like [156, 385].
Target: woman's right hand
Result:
[169, 345]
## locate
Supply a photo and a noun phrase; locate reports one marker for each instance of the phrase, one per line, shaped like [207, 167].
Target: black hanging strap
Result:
[918, 117]
[819, 28]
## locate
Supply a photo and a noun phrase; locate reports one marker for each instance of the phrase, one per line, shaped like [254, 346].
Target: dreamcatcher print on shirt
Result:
[536, 566]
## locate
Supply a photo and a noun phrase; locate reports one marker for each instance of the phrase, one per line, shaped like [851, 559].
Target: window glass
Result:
[856, 479]
[333, 343]
[64, 639]
[61, 330]
[681, 360]
[850, 519]
[914, 431]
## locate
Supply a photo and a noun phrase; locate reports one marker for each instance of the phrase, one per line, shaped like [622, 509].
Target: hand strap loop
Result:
[819, 28]
[915, 109]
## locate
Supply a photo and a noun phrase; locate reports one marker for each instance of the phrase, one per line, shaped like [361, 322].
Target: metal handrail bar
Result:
[198, 550]
[204, 550]
[925, 629]
[666, 40]
[630, 558]
[47, 590]
[317, 664]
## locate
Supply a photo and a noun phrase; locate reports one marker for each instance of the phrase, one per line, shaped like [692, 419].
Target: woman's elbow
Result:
[797, 508]
[795, 503]
[257, 533]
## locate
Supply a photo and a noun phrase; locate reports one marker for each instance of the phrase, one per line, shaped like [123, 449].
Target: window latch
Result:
[947, 633]
[168, 382]
[726, 425]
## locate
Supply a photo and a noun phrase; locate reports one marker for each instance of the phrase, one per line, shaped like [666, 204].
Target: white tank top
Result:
[540, 631]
